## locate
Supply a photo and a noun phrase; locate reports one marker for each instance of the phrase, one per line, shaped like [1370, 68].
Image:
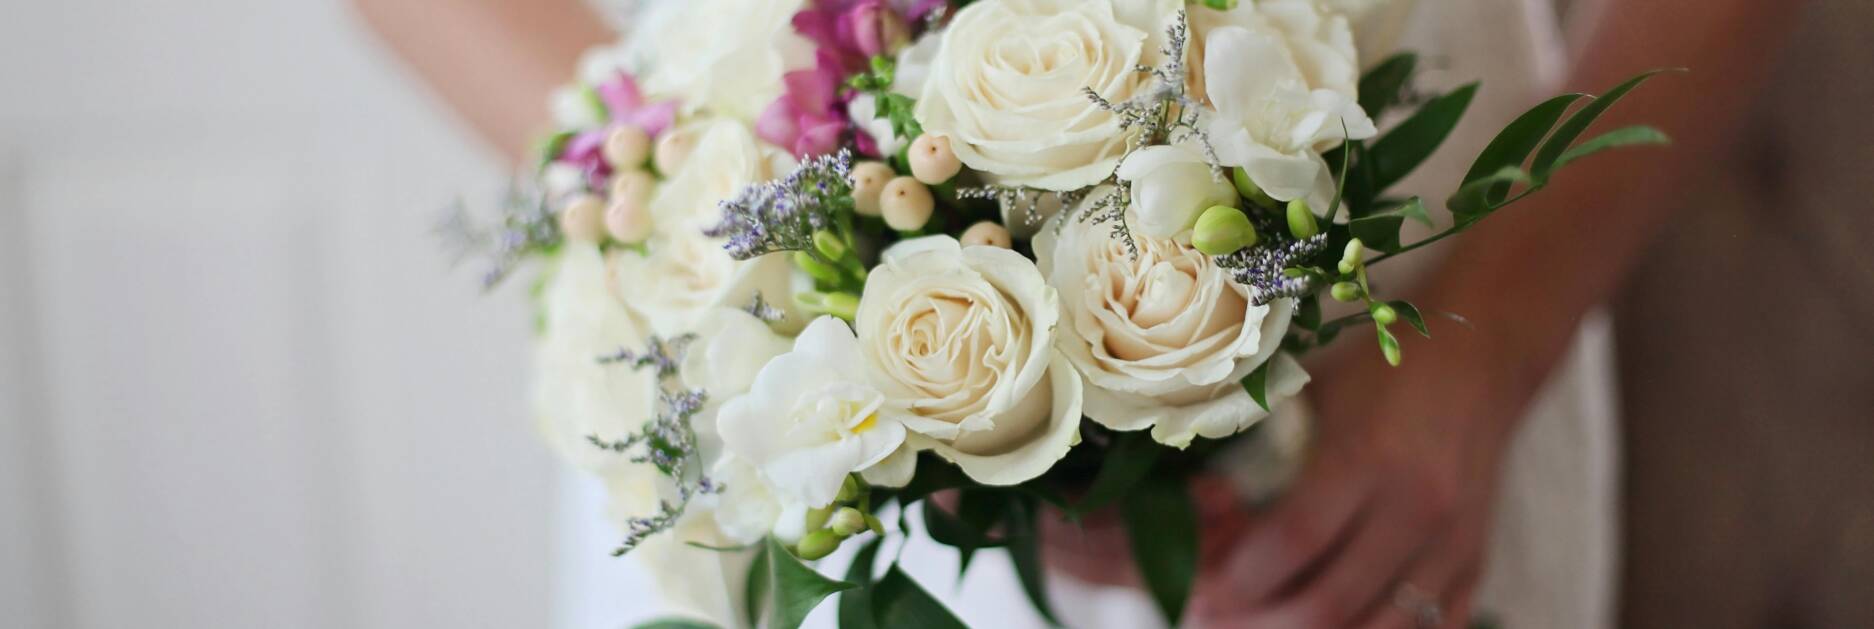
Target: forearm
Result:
[1526, 277]
[494, 61]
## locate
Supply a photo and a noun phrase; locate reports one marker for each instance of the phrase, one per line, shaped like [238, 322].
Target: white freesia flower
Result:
[1163, 339]
[1008, 85]
[683, 274]
[1283, 77]
[1171, 186]
[574, 395]
[722, 56]
[963, 338]
[813, 417]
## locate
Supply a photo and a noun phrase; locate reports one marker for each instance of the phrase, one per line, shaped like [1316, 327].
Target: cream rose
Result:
[682, 274]
[726, 57]
[1007, 85]
[574, 395]
[1283, 76]
[962, 337]
[1165, 338]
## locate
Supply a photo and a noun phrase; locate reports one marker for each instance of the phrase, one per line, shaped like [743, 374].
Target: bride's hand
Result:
[1387, 523]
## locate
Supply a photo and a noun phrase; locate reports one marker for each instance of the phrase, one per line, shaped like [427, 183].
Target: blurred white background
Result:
[239, 384]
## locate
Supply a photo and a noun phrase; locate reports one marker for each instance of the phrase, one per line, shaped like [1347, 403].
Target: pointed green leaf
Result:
[1411, 315]
[797, 587]
[1308, 313]
[1577, 124]
[1472, 201]
[756, 590]
[1515, 142]
[1380, 232]
[1385, 84]
[900, 603]
[1161, 523]
[1637, 135]
[949, 530]
[674, 623]
[1025, 551]
[1401, 150]
[1130, 459]
[1257, 384]
[855, 605]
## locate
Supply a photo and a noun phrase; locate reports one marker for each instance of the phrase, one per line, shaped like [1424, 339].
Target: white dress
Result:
[1552, 561]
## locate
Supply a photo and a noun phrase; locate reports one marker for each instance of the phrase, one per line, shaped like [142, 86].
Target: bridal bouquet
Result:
[809, 263]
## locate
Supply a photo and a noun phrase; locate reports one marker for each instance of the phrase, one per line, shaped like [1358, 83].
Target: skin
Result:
[1401, 486]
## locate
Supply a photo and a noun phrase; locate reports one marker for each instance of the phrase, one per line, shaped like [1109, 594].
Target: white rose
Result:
[813, 417]
[575, 396]
[1171, 186]
[1283, 76]
[722, 56]
[963, 338]
[1163, 339]
[1007, 85]
[682, 274]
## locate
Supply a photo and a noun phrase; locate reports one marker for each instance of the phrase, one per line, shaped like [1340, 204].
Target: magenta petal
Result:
[584, 146]
[821, 139]
[620, 95]
[866, 145]
[778, 124]
[655, 118]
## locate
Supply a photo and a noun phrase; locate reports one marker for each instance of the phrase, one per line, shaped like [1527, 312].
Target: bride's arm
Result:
[493, 61]
[1393, 508]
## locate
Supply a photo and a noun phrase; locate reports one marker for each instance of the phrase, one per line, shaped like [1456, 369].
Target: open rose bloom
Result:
[807, 263]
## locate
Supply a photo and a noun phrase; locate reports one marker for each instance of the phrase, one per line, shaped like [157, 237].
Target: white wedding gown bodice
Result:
[1552, 554]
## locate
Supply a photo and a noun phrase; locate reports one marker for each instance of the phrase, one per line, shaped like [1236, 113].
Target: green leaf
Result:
[1257, 384]
[1380, 232]
[1161, 523]
[900, 603]
[1130, 459]
[1472, 201]
[1515, 142]
[1401, 150]
[1024, 532]
[1411, 315]
[952, 531]
[1637, 135]
[1577, 124]
[1385, 84]
[1308, 313]
[674, 623]
[756, 590]
[855, 605]
[797, 587]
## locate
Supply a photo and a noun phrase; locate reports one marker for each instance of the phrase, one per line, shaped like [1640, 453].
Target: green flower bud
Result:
[1220, 5]
[1350, 259]
[1222, 230]
[1391, 351]
[1301, 219]
[816, 518]
[817, 544]
[829, 244]
[842, 305]
[1346, 291]
[1384, 314]
[1248, 188]
[847, 522]
[849, 490]
[819, 271]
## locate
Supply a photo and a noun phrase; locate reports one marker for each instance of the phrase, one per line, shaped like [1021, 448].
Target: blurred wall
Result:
[239, 385]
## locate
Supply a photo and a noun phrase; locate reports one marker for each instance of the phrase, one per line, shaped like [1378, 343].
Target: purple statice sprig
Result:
[783, 214]
[668, 441]
[522, 226]
[1266, 268]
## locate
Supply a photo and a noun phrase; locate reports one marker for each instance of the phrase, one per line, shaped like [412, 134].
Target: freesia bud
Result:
[849, 490]
[1301, 219]
[1223, 230]
[1346, 291]
[829, 244]
[846, 522]
[1350, 259]
[1391, 351]
[1384, 314]
[817, 544]
[1248, 188]
[819, 271]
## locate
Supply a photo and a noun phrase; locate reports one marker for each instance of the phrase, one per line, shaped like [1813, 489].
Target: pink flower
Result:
[625, 105]
[810, 119]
